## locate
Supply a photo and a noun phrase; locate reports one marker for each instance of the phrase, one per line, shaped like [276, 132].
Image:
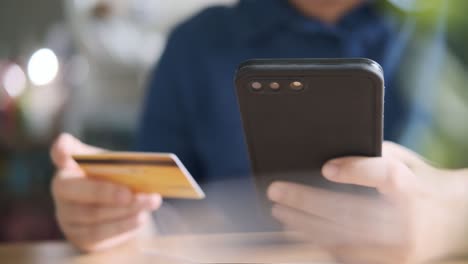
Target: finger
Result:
[65, 146]
[97, 237]
[78, 214]
[354, 211]
[89, 191]
[388, 175]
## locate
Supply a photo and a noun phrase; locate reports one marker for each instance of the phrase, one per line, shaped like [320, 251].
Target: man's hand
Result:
[94, 215]
[421, 215]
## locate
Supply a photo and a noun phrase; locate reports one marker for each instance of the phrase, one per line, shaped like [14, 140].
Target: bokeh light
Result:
[14, 80]
[43, 67]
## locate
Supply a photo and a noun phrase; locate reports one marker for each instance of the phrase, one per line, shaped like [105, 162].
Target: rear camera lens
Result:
[297, 86]
[257, 86]
[275, 86]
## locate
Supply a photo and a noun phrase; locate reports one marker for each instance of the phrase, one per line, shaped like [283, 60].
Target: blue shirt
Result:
[191, 107]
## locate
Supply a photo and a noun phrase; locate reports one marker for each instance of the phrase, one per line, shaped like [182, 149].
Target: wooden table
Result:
[228, 248]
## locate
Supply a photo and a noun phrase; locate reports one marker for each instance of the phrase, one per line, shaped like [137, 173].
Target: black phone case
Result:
[290, 134]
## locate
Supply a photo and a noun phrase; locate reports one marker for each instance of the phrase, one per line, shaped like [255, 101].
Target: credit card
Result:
[161, 173]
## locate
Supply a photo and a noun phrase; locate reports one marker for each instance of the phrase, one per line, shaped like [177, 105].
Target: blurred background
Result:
[80, 66]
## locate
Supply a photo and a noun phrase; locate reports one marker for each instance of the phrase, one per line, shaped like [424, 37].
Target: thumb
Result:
[65, 146]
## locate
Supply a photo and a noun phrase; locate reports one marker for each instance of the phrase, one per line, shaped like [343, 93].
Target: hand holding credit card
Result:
[161, 173]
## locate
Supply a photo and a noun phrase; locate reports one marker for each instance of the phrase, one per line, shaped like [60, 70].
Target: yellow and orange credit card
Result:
[161, 173]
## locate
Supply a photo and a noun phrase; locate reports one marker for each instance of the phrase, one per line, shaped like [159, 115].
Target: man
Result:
[191, 108]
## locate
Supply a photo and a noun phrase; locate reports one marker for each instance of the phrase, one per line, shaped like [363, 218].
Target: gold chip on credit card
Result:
[161, 173]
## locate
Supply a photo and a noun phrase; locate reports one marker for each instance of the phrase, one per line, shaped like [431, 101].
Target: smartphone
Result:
[299, 113]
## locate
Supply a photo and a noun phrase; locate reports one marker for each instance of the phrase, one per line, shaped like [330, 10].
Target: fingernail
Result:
[331, 170]
[275, 192]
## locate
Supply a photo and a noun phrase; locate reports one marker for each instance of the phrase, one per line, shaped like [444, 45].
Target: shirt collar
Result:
[259, 17]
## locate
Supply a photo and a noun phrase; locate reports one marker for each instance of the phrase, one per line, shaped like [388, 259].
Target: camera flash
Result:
[256, 86]
[297, 86]
[274, 86]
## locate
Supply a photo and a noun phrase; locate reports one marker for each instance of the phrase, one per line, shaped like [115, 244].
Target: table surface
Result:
[226, 248]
